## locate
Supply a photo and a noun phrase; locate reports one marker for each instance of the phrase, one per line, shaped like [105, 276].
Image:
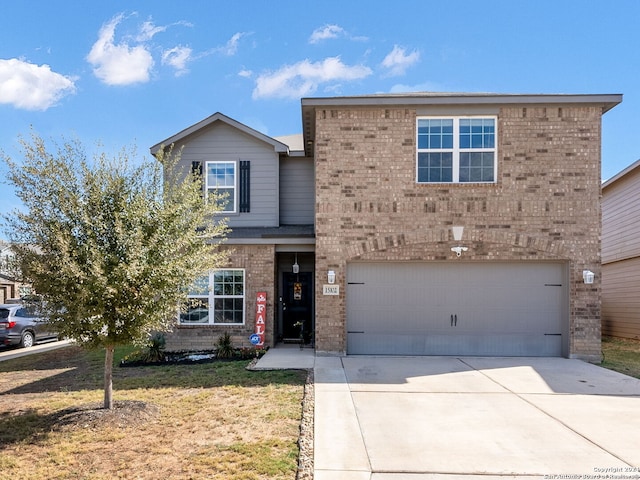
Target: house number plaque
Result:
[331, 289]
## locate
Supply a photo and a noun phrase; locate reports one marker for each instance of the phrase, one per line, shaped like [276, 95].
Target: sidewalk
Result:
[9, 353]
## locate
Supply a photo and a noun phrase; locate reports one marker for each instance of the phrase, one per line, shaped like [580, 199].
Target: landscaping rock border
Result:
[305, 442]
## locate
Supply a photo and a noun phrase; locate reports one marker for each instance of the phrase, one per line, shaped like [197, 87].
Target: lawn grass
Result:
[621, 355]
[207, 421]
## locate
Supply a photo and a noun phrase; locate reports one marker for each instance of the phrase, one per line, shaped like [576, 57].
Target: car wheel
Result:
[27, 340]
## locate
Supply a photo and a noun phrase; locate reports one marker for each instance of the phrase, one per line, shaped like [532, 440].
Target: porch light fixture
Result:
[296, 267]
[588, 276]
[331, 276]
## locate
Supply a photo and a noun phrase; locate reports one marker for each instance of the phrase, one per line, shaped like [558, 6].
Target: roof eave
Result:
[309, 105]
[635, 165]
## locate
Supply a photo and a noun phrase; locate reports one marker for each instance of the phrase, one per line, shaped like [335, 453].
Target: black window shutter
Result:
[196, 169]
[245, 186]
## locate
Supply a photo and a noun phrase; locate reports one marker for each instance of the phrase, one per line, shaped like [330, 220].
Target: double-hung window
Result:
[221, 179]
[217, 298]
[456, 150]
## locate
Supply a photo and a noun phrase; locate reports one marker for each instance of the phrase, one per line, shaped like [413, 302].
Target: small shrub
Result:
[224, 346]
[133, 357]
[247, 353]
[155, 348]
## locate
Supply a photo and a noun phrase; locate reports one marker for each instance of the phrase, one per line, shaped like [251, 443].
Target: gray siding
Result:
[621, 298]
[221, 142]
[296, 191]
[621, 256]
[621, 218]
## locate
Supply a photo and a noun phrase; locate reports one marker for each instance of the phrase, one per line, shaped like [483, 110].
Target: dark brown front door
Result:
[297, 307]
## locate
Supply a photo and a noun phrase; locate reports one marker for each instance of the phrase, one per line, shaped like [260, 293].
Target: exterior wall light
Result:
[457, 236]
[588, 276]
[296, 267]
[331, 276]
[459, 250]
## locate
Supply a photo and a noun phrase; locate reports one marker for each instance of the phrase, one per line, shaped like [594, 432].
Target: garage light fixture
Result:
[457, 236]
[459, 250]
[331, 276]
[588, 276]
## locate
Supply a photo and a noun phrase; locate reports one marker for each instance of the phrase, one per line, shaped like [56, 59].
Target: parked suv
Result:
[20, 325]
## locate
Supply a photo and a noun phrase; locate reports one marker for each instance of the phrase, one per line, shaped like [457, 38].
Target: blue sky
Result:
[126, 73]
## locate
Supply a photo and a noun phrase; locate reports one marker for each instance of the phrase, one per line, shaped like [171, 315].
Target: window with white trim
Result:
[456, 150]
[221, 178]
[217, 298]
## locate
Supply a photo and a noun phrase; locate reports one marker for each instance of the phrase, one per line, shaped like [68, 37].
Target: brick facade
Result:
[545, 204]
[259, 264]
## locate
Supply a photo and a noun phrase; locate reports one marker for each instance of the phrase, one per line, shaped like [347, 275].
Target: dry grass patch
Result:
[206, 421]
[621, 355]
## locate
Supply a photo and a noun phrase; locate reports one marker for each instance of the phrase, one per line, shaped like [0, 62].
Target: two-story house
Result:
[412, 224]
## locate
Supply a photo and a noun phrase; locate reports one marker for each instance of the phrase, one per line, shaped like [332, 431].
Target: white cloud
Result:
[32, 87]
[326, 32]
[231, 47]
[420, 87]
[119, 64]
[303, 78]
[397, 61]
[245, 73]
[228, 49]
[148, 30]
[178, 58]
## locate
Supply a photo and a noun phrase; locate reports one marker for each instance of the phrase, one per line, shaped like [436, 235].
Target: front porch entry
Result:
[296, 312]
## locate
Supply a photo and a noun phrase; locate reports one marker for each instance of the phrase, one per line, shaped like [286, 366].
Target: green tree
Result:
[111, 245]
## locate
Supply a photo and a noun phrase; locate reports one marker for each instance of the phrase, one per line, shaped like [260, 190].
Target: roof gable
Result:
[278, 146]
[623, 174]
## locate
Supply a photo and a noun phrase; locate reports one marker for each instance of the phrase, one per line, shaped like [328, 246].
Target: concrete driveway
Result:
[386, 418]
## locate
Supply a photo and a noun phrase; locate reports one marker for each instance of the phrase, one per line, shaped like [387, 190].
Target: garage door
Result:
[445, 308]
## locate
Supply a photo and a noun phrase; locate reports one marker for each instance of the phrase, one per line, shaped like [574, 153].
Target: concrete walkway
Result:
[418, 418]
[285, 357]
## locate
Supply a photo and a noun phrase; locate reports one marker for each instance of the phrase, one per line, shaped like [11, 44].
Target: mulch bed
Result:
[190, 358]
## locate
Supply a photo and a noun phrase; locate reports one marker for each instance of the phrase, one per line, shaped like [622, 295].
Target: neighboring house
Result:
[621, 254]
[421, 224]
[10, 288]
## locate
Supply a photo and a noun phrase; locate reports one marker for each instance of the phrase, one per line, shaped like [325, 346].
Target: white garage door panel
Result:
[514, 309]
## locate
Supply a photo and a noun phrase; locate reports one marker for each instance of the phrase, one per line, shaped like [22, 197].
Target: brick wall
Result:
[545, 204]
[259, 264]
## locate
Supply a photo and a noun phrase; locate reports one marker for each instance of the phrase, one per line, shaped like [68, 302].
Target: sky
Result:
[133, 73]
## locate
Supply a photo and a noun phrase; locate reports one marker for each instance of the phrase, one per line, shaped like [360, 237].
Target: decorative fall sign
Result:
[257, 338]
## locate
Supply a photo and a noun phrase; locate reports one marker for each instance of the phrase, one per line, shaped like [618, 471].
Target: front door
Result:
[297, 322]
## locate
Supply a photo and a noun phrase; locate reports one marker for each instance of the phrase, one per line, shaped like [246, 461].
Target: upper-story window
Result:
[456, 150]
[221, 177]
